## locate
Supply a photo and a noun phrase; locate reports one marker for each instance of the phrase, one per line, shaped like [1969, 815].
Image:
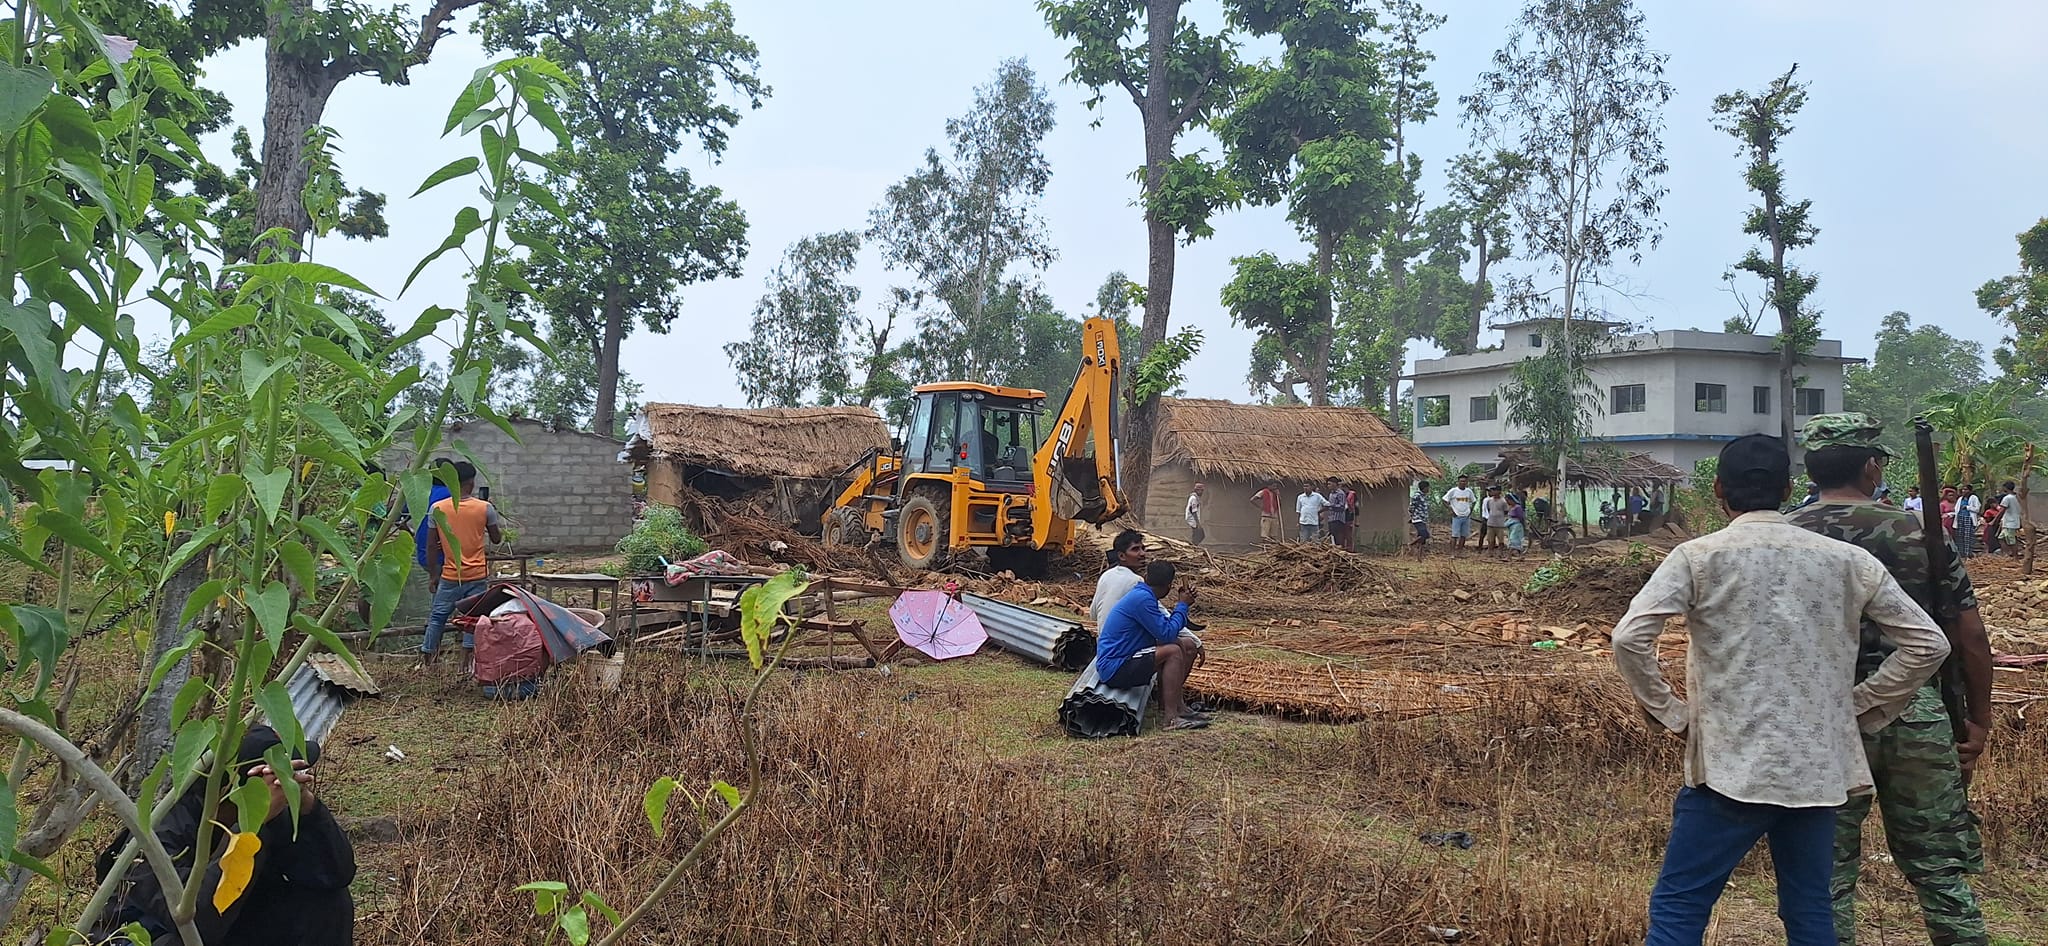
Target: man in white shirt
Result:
[1913, 499]
[1127, 561]
[1773, 725]
[1196, 535]
[1308, 509]
[2009, 526]
[1461, 499]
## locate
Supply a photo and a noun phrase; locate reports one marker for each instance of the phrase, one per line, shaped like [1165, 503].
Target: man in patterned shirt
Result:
[1418, 518]
[1920, 773]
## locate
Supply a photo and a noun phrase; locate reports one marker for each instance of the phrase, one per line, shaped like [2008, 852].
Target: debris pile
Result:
[1596, 590]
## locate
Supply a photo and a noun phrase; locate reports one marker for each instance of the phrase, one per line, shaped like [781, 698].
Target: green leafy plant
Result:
[1551, 575]
[659, 535]
[716, 807]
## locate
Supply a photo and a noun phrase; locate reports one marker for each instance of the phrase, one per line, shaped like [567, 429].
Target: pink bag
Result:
[509, 649]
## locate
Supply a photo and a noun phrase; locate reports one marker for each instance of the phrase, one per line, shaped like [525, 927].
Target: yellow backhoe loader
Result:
[983, 466]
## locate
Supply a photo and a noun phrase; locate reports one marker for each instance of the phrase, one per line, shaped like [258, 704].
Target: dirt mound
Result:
[1591, 590]
[1300, 570]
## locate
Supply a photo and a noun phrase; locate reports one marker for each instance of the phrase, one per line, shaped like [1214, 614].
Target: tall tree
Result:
[639, 228]
[1285, 302]
[1977, 422]
[963, 222]
[1760, 121]
[1176, 75]
[1578, 95]
[1911, 364]
[1314, 131]
[1483, 187]
[2022, 301]
[797, 348]
[1411, 100]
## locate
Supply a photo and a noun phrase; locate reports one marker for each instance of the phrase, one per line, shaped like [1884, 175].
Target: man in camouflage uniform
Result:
[1917, 766]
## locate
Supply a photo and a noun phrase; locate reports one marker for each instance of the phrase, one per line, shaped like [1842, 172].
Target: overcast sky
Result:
[1921, 147]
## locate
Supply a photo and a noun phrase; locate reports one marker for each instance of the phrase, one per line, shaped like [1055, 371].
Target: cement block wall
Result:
[563, 490]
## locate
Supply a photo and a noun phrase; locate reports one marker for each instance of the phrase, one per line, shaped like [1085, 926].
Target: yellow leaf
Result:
[306, 471]
[170, 522]
[237, 863]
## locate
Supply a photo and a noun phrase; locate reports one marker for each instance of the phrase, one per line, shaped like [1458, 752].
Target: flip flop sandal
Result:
[1186, 724]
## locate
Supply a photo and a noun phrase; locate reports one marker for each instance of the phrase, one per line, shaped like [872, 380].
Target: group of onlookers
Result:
[1502, 520]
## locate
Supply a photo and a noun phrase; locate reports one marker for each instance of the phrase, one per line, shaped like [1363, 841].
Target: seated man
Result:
[1136, 641]
[1127, 560]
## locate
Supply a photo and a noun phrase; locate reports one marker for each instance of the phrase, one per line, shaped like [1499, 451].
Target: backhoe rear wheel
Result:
[921, 534]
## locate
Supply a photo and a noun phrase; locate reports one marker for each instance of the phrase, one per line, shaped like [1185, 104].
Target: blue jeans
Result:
[445, 598]
[1709, 836]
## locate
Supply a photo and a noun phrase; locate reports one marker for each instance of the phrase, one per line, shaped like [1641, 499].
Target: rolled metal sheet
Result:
[1094, 711]
[316, 702]
[1048, 639]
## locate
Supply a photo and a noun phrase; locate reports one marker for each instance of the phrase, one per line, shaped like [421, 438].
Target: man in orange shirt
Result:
[456, 567]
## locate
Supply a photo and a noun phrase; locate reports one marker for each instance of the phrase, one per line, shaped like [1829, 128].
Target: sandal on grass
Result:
[1186, 723]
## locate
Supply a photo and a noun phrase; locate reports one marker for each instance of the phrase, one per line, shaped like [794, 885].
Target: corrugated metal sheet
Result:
[335, 670]
[316, 703]
[1048, 639]
[1093, 711]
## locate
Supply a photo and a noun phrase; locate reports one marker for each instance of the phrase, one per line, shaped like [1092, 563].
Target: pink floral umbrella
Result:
[937, 624]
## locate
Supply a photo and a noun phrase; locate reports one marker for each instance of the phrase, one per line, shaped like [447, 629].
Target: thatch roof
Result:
[1635, 471]
[1289, 443]
[816, 442]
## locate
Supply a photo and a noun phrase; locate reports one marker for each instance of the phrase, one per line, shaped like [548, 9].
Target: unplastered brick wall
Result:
[562, 489]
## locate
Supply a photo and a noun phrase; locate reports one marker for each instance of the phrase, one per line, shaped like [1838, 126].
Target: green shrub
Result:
[659, 534]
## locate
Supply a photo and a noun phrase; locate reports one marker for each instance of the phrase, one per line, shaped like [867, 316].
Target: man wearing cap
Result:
[1918, 769]
[1771, 719]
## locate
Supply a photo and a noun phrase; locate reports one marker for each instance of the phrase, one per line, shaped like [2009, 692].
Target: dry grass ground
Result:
[941, 804]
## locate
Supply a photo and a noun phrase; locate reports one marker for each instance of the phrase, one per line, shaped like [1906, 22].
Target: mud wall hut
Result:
[782, 459]
[1238, 448]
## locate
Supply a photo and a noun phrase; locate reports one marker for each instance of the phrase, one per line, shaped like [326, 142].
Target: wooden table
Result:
[598, 583]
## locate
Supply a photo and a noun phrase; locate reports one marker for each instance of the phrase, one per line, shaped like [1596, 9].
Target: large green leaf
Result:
[467, 221]
[331, 424]
[327, 639]
[269, 488]
[655, 803]
[194, 738]
[22, 91]
[448, 172]
[10, 816]
[299, 562]
[202, 596]
[303, 272]
[276, 703]
[193, 639]
[327, 351]
[329, 539]
[31, 325]
[220, 323]
[222, 492]
[761, 608]
[272, 607]
[74, 533]
[42, 634]
[256, 371]
[474, 96]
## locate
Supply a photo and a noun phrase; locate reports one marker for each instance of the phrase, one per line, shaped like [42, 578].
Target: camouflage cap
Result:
[1851, 429]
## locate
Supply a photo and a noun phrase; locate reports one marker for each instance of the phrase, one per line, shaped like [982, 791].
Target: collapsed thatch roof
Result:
[1635, 471]
[816, 442]
[1290, 443]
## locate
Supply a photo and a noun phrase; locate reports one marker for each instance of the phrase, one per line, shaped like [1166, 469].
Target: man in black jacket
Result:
[298, 892]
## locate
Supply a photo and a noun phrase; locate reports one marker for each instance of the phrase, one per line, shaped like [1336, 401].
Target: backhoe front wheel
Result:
[921, 534]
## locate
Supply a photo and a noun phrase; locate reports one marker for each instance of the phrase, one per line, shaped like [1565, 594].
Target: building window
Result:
[1535, 339]
[1810, 401]
[1485, 408]
[1433, 411]
[1710, 398]
[1760, 399]
[1628, 399]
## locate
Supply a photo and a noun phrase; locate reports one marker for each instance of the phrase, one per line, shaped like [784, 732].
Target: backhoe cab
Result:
[984, 466]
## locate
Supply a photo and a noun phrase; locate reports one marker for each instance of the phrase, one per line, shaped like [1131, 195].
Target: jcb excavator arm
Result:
[1076, 471]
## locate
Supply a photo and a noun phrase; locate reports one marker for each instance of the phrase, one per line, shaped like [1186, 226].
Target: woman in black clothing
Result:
[298, 892]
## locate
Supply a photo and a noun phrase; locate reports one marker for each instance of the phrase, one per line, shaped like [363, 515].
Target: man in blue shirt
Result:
[1139, 639]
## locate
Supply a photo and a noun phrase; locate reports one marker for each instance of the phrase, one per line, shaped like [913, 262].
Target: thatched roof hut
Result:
[1236, 449]
[810, 442]
[777, 460]
[1636, 471]
[1286, 443]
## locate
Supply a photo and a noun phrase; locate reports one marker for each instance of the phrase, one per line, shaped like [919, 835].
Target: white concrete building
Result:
[1677, 395]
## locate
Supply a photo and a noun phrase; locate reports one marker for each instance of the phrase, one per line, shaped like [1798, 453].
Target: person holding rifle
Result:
[1921, 763]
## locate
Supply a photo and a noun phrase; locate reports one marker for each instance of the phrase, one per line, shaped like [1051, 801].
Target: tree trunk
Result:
[1472, 319]
[2026, 516]
[603, 416]
[298, 94]
[1326, 329]
[1135, 444]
